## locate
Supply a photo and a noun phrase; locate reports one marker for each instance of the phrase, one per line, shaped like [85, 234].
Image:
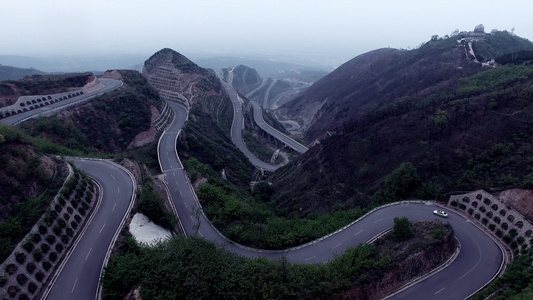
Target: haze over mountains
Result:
[452, 115]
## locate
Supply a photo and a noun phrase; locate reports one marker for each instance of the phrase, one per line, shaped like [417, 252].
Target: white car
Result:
[440, 213]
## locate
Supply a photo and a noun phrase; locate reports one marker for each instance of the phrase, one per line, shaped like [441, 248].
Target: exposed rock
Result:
[147, 136]
[519, 199]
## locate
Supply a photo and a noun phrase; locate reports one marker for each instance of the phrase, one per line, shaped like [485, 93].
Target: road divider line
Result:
[377, 221]
[358, 232]
[337, 245]
[74, 286]
[102, 228]
[440, 291]
[310, 258]
[114, 206]
[88, 253]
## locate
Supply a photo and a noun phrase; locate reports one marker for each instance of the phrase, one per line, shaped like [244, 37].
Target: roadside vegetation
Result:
[194, 268]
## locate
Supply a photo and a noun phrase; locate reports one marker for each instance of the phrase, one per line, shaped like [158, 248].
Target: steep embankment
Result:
[28, 182]
[206, 135]
[111, 123]
[11, 90]
[383, 76]
[467, 131]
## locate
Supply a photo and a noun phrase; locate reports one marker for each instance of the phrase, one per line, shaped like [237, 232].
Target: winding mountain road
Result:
[79, 275]
[479, 260]
[109, 85]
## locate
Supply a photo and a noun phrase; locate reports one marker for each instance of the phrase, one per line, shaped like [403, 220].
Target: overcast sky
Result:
[343, 28]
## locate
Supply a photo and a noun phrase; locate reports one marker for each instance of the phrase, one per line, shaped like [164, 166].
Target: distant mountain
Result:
[412, 124]
[269, 92]
[376, 78]
[14, 73]
[266, 68]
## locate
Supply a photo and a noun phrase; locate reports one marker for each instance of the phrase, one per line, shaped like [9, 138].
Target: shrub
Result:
[38, 255]
[11, 269]
[20, 257]
[47, 265]
[36, 238]
[65, 239]
[59, 248]
[45, 248]
[32, 287]
[12, 291]
[402, 230]
[21, 279]
[42, 229]
[507, 238]
[28, 246]
[39, 276]
[51, 239]
[30, 267]
[77, 218]
[53, 256]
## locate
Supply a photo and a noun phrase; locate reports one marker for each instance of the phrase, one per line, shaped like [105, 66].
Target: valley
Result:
[381, 130]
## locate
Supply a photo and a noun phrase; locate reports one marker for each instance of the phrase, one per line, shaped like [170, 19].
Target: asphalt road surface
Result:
[479, 260]
[79, 277]
[236, 130]
[110, 84]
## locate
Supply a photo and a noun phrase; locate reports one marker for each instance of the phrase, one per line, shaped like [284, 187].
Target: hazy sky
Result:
[338, 28]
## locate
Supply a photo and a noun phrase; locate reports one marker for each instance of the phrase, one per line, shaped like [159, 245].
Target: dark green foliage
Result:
[193, 268]
[500, 43]
[402, 230]
[153, 206]
[517, 278]
[212, 146]
[493, 80]
[516, 57]
[251, 221]
[104, 126]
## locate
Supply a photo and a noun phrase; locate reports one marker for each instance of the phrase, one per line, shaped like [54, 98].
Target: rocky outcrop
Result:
[178, 79]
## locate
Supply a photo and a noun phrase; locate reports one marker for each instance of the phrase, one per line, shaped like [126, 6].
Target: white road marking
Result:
[337, 245]
[200, 234]
[191, 218]
[118, 190]
[102, 228]
[185, 204]
[114, 207]
[181, 193]
[377, 221]
[439, 291]
[310, 258]
[74, 286]
[88, 253]
[113, 177]
[359, 232]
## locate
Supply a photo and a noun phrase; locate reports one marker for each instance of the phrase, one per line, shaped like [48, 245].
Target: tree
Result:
[403, 229]
[402, 180]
